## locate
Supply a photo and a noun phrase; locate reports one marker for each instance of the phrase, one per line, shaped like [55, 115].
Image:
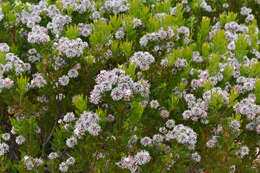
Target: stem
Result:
[52, 130]
[49, 137]
[13, 35]
[94, 164]
[165, 163]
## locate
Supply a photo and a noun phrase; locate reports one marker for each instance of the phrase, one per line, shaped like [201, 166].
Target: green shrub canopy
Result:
[140, 86]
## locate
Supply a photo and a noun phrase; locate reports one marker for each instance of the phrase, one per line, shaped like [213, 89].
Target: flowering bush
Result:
[130, 86]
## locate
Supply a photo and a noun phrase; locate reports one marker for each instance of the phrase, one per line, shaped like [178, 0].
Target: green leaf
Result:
[80, 102]
[220, 42]
[22, 84]
[72, 32]
[241, 47]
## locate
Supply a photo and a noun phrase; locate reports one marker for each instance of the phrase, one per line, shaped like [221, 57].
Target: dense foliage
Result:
[146, 86]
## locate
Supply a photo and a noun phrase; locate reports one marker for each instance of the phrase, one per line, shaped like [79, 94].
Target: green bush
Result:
[147, 86]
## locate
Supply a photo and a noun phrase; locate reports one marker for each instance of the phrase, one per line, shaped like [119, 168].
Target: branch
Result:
[49, 137]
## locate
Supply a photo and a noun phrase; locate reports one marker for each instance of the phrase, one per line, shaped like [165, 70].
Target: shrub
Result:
[129, 86]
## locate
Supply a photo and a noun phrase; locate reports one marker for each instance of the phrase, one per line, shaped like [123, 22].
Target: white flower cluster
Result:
[1, 14]
[64, 166]
[181, 64]
[80, 6]
[212, 142]
[20, 140]
[214, 30]
[184, 30]
[38, 81]
[42, 99]
[71, 48]
[58, 20]
[205, 6]
[132, 162]
[234, 125]
[6, 83]
[120, 34]
[243, 152]
[196, 57]
[69, 117]
[33, 16]
[142, 60]
[4, 47]
[84, 29]
[247, 12]
[117, 6]
[146, 141]
[183, 134]
[245, 84]
[248, 107]
[161, 34]
[34, 56]
[88, 121]
[38, 35]
[59, 63]
[197, 108]
[31, 162]
[53, 155]
[4, 148]
[64, 80]
[71, 142]
[222, 93]
[6, 136]
[124, 88]
[12, 61]
[137, 22]
[95, 15]
[231, 33]
[196, 157]
[16, 62]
